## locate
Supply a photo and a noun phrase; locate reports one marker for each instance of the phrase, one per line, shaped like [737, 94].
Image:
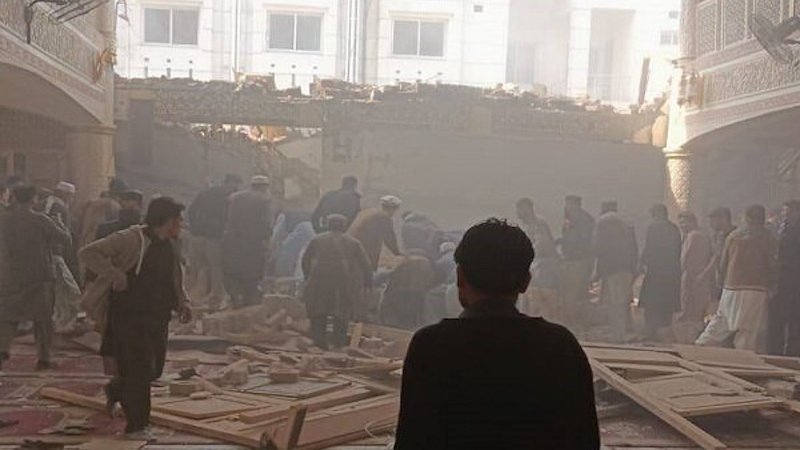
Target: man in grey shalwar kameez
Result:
[333, 263]
[27, 242]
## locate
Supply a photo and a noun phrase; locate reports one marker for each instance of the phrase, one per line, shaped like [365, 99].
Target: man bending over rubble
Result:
[495, 378]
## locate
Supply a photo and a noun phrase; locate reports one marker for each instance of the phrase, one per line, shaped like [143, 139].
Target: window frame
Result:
[171, 9]
[675, 38]
[419, 21]
[295, 15]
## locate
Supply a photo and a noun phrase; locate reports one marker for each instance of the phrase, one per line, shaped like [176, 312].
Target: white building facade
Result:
[570, 47]
[593, 47]
[365, 41]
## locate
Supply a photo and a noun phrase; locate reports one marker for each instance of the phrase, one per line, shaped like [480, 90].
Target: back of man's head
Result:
[721, 213]
[25, 194]
[756, 215]
[659, 211]
[337, 223]
[495, 258]
[349, 183]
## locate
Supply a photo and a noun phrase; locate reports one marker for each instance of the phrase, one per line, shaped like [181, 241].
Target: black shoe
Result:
[45, 365]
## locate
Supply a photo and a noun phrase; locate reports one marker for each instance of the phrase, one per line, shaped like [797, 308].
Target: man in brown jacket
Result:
[140, 280]
[374, 229]
[749, 265]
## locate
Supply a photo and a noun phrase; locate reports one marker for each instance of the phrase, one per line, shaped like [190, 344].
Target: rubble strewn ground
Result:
[240, 378]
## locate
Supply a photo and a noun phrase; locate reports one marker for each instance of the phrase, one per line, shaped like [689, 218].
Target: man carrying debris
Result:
[661, 264]
[27, 242]
[784, 314]
[576, 249]
[696, 287]
[495, 378]
[246, 242]
[140, 281]
[614, 243]
[207, 216]
[336, 269]
[750, 266]
[345, 201]
[374, 228]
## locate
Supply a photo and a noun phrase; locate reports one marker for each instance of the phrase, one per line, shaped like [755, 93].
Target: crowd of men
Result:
[122, 266]
[727, 286]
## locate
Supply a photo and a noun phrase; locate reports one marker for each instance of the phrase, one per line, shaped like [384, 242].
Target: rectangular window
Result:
[171, 26]
[669, 38]
[185, 25]
[300, 32]
[156, 25]
[674, 14]
[418, 38]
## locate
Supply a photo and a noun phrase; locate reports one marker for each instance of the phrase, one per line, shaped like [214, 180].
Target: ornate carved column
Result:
[688, 28]
[679, 179]
[90, 159]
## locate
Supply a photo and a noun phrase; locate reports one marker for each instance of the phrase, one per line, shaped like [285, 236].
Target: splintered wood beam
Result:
[158, 418]
[670, 417]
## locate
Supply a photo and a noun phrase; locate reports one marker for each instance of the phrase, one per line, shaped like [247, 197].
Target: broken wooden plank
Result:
[355, 336]
[346, 423]
[697, 394]
[312, 404]
[293, 426]
[613, 355]
[657, 408]
[374, 386]
[159, 418]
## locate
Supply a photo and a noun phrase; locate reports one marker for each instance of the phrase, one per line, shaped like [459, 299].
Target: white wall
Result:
[134, 54]
[474, 50]
[562, 34]
[292, 67]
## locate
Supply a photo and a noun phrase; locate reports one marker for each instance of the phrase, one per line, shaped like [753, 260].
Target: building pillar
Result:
[688, 28]
[90, 156]
[580, 39]
[679, 180]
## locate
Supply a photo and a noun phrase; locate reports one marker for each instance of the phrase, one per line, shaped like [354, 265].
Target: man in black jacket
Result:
[784, 314]
[345, 201]
[495, 378]
[207, 215]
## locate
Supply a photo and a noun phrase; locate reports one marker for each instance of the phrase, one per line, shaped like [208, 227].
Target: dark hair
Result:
[25, 194]
[232, 179]
[659, 210]
[350, 182]
[132, 195]
[688, 215]
[721, 213]
[525, 202]
[609, 206]
[13, 181]
[756, 213]
[161, 210]
[495, 257]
